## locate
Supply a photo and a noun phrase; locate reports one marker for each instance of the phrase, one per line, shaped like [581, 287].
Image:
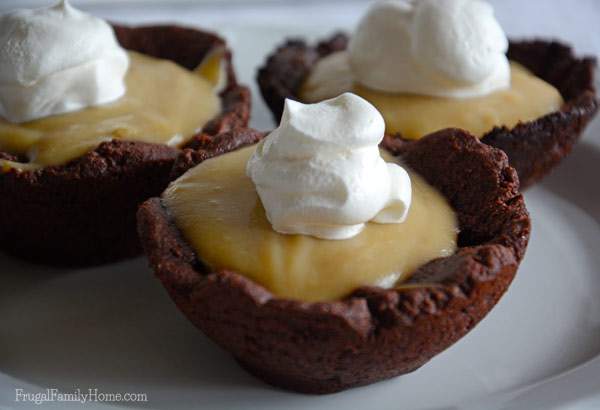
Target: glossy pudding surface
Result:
[414, 116]
[164, 104]
[216, 207]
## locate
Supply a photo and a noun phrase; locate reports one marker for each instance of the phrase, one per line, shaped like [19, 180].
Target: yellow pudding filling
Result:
[164, 104]
[216, 207]
[414, 116]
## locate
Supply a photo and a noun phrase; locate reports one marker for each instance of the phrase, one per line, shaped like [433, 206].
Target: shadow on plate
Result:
[17, 274]
[576, 180]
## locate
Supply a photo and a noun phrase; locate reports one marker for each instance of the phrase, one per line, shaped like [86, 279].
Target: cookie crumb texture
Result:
[534, 147]
[83, 213]
[374, 333]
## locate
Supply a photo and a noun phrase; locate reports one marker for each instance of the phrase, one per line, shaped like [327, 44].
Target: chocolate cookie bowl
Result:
[373, 333]
[83, 212]
[534, 147]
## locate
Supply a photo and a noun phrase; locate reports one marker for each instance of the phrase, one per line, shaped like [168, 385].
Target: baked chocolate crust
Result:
[83, 212]
[374, 333]
[534, 148]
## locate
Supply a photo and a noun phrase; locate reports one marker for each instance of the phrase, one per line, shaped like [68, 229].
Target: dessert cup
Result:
[373, 333]
[83, 212]
[534, 147]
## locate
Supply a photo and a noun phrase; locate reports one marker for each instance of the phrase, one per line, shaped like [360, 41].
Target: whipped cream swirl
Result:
[56, 60]
[445, 48]
[320, 172]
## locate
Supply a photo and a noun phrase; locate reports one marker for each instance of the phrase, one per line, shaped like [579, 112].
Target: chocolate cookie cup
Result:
[374, 333]
[83, 212]
[533, 147]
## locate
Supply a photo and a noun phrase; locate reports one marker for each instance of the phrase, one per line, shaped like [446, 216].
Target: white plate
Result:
[115, 329]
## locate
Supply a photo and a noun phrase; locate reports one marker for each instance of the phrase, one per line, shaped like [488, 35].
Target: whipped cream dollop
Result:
[445, 48]
[56, 60]
[320, 172]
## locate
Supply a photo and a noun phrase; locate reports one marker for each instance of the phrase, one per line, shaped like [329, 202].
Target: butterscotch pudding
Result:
[412, 116]
[296, 255]
[90, 128]
[322, 261]
[428, 65]
[164, 104]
